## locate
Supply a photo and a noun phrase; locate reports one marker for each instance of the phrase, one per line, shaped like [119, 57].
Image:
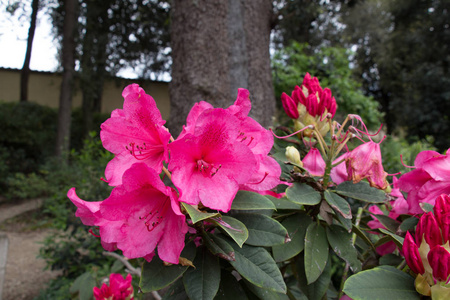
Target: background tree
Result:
[218, 47]
[25, 72]
[68, 63]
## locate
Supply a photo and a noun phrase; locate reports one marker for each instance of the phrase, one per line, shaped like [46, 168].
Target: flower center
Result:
[144, 151]
[207, 169]
[243, 138]
[154, 218]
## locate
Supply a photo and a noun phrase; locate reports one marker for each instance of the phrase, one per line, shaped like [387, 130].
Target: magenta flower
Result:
[135, 134]
[428, 254]
[364, 162]
[314, 163]
[339, 173]
[118, 288]
[139, 215]
[429, 179]
[209, 164]
[309, 104]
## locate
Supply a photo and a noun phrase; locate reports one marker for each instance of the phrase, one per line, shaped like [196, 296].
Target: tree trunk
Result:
[68, 63]
[218, 47]
[25, 73]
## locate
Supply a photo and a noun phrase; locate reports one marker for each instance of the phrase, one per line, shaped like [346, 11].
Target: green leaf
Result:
[257, 266]
[427, 207]
[202, 283]
[388, 222]
[409, 224]
[384, 282]
[218, 246]
[398, 240]
[347, 223]
[262, 230]
[230, 288]
[296, 226]
[155, 275]
[339, 204]
[301, 193]
[316, 251]
[317, 289]
[265, 294]
[361, 191]
[234, 228]
[246, 200]
[197, 215]
[284, 203]
[84, 285]
[176, 291]
[340, 241]
[363, 236]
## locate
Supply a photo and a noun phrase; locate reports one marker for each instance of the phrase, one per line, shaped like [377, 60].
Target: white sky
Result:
[13, 41]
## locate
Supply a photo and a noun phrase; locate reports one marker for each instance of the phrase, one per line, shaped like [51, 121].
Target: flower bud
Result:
[428, 228]
[439, 260]
[293, 156]
[290, 106]
[412, 255]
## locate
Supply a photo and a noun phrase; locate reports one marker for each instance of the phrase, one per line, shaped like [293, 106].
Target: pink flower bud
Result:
[412, 255]
[290, 106]
[439, 260]
[428, 228]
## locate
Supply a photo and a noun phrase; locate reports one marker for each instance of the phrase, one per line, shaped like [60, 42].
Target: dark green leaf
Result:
[427, 207]
[263, 230]
[202, 283]
[317, 289]
[296, 226]
[361, 191]
[341, 242]
[409, 224]
[176, 291]
[265, 294]
[284, 203]
[230, 288]
[391, 259]
[155, 275]
[384, 282]
[363, 236]
[246, 200]
[257, 266]
[301, 193]
[398, 240]
[387, 222]
[339, 204]
[197, 215]
[218, 246]
[316, 251]
[234, 228]
[347, 223]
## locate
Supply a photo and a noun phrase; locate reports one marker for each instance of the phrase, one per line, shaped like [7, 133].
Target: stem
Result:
[167, 173]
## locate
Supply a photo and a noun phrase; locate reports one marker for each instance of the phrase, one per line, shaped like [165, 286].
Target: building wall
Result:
[44, 89]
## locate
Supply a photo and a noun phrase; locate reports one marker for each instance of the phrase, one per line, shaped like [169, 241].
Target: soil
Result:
[25, 275]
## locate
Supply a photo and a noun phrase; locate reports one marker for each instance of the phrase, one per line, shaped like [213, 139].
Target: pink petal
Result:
[88, 212]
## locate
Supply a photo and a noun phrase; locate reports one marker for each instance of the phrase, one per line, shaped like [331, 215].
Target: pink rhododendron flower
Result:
[429, 179]
[228, 151]
[135, 134]
[314, 163]
[364, 162]
[339, 173]
[309, 104]
[399, 205]
[118, 289]
[139, 215]
[209, 164]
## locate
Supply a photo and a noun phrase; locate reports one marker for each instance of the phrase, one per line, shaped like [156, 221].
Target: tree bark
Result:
[218, 47]
[25, 73]
[68, 63]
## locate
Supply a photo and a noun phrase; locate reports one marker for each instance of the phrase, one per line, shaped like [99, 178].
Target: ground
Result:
[25, 275]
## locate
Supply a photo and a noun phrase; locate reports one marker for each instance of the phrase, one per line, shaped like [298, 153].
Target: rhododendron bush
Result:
[231, 210]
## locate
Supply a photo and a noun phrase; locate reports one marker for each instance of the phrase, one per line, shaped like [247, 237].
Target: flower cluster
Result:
[428, 254]
[309, 104]
[118, 289]
[219, 152]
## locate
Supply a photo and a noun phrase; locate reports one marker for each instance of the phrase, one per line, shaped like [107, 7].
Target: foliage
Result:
[332, 66]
